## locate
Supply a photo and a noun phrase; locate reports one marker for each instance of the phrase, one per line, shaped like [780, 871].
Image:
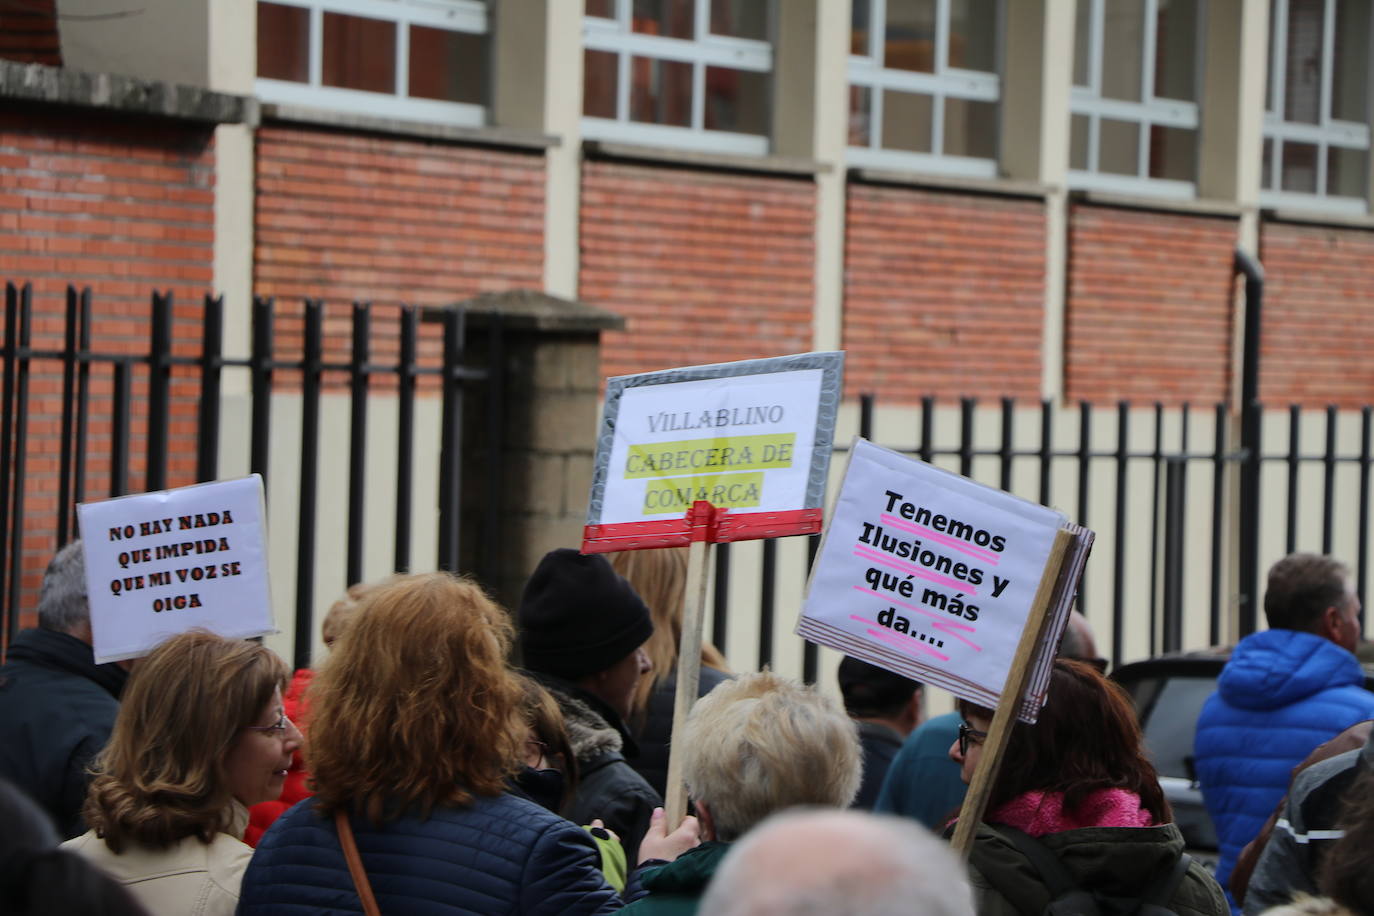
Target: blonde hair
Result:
[162, 776]
[416, 706]
[660, 578]
[761, 743]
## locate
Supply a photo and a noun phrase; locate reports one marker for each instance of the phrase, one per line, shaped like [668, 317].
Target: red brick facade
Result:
[124, 206]
[1148, 316]
[944, 294]
[1317, 330]
[704, 267]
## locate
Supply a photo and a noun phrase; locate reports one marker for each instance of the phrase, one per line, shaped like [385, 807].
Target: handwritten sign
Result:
[929, 574]
[160, 563]
[752, 438]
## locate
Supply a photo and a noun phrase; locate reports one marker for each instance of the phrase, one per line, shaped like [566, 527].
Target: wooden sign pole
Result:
[999, 733]
[688, 665]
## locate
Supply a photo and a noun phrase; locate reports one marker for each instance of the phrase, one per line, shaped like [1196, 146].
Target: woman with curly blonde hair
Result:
[416, 728]
[200, 735]
[660, 578]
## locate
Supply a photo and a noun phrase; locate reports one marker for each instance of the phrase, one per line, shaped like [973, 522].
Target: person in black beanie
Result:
[581, 632]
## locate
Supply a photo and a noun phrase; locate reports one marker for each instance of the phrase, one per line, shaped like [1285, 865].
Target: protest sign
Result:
[160, 563]
[934, 576]
[751, 438]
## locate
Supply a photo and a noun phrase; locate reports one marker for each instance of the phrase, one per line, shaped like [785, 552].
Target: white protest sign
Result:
[160, 563]
[929, 574]
[752, 438]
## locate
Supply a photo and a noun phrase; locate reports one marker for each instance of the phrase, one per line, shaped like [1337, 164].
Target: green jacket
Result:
[1120, 861]
[675, 889]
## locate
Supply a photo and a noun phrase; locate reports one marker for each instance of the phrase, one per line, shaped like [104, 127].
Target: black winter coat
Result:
[57, 708]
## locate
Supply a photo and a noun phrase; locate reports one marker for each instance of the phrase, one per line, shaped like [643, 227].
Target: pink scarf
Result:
[1042, 813]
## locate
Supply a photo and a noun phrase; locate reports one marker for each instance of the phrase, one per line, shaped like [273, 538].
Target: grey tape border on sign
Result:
[830, 362]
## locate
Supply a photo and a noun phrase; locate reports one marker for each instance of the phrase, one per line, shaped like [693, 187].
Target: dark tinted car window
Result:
[1170, 709]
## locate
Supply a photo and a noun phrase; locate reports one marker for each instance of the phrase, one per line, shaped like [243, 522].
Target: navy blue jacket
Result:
[499, 855]
[1282, 693]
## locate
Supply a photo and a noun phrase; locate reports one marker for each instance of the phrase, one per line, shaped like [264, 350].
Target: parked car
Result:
[1169, 691]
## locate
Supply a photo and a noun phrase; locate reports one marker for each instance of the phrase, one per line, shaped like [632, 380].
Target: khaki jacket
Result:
[188, 878]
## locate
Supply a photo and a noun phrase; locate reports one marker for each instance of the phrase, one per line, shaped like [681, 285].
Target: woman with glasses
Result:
[416, 728]
[1078, 787]
[200, 736]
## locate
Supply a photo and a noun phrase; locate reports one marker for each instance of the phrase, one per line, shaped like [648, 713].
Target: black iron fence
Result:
[122, 404]
[1174, 463]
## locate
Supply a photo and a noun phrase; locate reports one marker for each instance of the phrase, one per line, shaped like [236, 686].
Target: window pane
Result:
[1303, 65]
[973, 35]
[1078, 142]
[859, 14]
[660, 91]
[1347, 171]
[740, 18]
[1299, 167]
[283, 42]
[1267, 165]
[1123, 49]
[602, 8]
[1350, 61]
[970, 128]
[906, 121]
[1176, 33]
[359, 53]
[860, 115]
[1082, 44]
[1118, 147]
[599, 81]
[673, 18]
[909, 42]
[736, 100]
[448, 66]
[1173, 153]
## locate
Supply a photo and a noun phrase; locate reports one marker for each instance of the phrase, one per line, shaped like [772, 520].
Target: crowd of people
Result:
[449, 756]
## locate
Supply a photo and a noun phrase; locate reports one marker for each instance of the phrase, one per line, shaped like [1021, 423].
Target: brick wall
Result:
[944, 294]
[123, 205]
[705, 267]
[359, 217]
[1316, 334]
[1149, 306]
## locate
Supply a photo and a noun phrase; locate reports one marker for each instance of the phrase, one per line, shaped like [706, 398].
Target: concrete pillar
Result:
[1037, 77]
[810, 118]
[537, 85]
[551, 373]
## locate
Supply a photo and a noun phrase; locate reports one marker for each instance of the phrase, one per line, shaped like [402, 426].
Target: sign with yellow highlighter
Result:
[751, 438]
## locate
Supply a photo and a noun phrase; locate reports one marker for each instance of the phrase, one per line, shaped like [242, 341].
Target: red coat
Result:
[261, 815]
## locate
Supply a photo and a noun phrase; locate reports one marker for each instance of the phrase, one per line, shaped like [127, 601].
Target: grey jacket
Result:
[1305, 830]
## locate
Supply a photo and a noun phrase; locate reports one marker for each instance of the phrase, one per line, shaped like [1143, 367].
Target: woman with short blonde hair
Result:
[416, 727]
[753, 746]
[200, 735]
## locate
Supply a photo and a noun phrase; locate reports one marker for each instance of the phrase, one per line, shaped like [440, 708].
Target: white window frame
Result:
[867, 71]
[616, 36]
[452, 15]
[1327, 132]
[1154, 111]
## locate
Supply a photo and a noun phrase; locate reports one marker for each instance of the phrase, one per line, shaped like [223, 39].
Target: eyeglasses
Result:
[276, 729]
[968, 733]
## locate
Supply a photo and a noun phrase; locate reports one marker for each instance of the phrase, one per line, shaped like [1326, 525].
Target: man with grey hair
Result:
[839, 863]
[57, 706]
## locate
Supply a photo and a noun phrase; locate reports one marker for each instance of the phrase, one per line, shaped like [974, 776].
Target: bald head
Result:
[839, 863]
[1078, 639]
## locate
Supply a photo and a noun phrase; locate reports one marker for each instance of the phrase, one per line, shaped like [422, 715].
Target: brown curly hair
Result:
[1087, 738]
[416, 706]
[162, 776]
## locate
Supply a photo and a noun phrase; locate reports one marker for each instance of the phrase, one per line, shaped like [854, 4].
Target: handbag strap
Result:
[355, 864]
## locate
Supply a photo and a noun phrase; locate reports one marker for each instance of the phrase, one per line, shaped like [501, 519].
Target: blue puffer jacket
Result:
[500, 855]
[1282, 693]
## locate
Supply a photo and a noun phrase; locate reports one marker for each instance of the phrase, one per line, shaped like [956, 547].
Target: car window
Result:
[1170, 720]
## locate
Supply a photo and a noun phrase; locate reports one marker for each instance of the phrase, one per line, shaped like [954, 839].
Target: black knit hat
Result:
[578, 617]
[872, 691]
